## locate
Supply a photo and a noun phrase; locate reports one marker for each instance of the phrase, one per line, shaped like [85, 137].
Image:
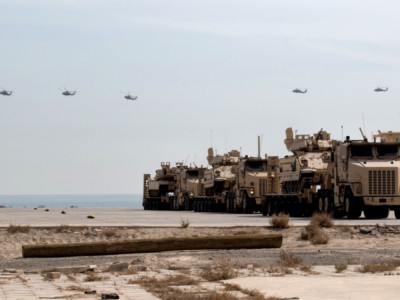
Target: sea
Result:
[65, 201]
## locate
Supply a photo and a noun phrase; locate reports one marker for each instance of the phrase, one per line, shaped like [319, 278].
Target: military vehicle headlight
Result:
[252, 191]
[358, 188]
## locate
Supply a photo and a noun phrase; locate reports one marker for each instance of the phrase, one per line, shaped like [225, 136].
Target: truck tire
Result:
[397, 212]
[376, 212]
[187, 203]
[248, 207]
[321, 203]
[351, 205]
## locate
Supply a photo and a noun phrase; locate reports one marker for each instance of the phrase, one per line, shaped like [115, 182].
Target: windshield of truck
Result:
[193, 174]
[387, 150]
[255, 165]
[361, 150]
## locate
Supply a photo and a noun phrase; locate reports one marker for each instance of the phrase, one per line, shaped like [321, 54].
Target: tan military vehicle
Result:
[190, 187]
[364, 176]
[251, 183]
[234, 184]
[159, 192]
[301, 175]
[219, 182]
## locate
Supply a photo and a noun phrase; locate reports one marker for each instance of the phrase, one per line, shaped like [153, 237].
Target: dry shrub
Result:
[279, 221]
[278, 270]
[163, 287]
[111, 232]
[18, 229]
[378, 267]
[213, 295]
[221, 269]
[63, 228]
[185, 223]
[340, 266]
[76, 288]
[91, 276]
[322, 220]
[314, 234]
[309, 269]
[289, 260]
[251, 294]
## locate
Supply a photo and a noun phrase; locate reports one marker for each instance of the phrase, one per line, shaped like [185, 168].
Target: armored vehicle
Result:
[219, 182]
[233, 184]
[363, 176]
[301, 175]
[190, 187]
[159, 192]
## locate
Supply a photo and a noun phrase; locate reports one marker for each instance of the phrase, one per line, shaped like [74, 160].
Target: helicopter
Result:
[378, 89]
[130, 97]
[68, 93]
[299, 91]
[6, 93]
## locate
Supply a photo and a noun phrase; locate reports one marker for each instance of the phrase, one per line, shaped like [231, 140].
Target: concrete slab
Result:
[136, 217]
[328, 285]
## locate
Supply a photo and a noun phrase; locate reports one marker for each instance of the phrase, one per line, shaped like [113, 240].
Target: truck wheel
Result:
[186, 202]
[321, 204]
[397, 212]
[351, 205]
[247, 205]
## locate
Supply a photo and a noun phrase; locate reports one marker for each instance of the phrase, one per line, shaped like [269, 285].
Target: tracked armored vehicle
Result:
[301, 175]
[218, 182]
[159, 192]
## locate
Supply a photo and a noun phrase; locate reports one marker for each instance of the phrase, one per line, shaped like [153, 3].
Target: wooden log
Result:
[154, 245]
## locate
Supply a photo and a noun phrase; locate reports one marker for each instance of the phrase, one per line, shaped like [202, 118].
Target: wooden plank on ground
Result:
[154, 245]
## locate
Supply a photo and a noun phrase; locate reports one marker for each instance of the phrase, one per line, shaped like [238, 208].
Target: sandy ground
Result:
[244, 274]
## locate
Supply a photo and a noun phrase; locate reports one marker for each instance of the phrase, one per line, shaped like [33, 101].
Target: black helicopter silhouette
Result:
[6, 93]
[378, 89]
[299, 91]
[68, 93]
[130, 97]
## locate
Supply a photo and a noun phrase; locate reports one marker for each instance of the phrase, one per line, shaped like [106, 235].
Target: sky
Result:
[206, 73]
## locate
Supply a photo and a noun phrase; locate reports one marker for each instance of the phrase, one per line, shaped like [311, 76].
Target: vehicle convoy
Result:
[233, 184]
[159, 192]
[301, 175]
[363, 176]
[339, 178]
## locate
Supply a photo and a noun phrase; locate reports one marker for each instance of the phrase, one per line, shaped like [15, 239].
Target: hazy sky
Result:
[207, 73]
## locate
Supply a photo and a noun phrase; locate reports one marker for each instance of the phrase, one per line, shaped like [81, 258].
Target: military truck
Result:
[301, 175]
[190, 187]
[233, 184]
[159, 192]
[363, 176]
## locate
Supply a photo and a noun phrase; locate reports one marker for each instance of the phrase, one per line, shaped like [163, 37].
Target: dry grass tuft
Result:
[185, 223]
[340, 266]
[289, 260]
[279, 221]
[163, 287]
[322, 220]
[18, 229]
[91, 276]
[76, 288]
[314, 234]
[111, 232]
[221, 269]
[63, 228]
[378, 267]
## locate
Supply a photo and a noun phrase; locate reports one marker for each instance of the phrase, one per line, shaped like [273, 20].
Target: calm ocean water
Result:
[64, 201]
